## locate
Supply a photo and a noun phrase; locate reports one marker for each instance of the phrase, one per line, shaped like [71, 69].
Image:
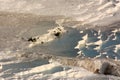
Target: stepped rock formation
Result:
[98, 66]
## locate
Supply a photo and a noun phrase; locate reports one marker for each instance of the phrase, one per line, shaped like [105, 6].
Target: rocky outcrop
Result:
[50, 36]
[97, 66]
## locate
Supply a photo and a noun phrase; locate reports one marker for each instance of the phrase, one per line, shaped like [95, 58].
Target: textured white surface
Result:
[77, 17]
[97, 12]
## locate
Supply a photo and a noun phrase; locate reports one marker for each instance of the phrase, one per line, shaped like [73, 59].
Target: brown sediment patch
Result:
[21, 19]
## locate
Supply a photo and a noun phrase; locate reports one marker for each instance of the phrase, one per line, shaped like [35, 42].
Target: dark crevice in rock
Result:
[57, 34]
[32, 39]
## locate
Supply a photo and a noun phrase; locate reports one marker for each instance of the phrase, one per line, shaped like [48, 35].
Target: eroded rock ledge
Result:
[97, 66]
